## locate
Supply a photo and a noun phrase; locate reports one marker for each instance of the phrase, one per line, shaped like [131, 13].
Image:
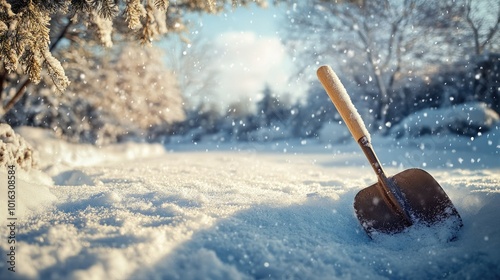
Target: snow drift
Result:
[464, 119]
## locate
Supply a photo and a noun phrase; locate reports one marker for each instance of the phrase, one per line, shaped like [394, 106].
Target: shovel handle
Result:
[343, 103]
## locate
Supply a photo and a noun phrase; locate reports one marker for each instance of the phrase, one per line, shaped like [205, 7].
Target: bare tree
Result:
[483, 18]
[368, 39]
[463, 27]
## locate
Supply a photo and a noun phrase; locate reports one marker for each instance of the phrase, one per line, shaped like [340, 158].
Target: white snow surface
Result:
[276, 210]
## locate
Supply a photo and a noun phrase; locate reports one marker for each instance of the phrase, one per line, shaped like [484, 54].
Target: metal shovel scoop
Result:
[393, 203]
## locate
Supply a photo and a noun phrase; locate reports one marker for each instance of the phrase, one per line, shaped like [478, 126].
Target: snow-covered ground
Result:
[280, 210]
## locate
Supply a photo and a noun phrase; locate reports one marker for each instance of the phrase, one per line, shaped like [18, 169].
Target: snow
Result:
[14, 149]
[33, 193]
[472, 116]
[55, 153]
[274, 210]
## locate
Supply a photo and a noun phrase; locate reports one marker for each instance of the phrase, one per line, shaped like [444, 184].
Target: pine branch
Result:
[133, 13]
[161, 4]
[103, 27]
[105, 8]
[22, 89]
[56, 71]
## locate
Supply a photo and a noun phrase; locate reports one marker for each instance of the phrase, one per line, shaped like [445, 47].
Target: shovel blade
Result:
[426, 200]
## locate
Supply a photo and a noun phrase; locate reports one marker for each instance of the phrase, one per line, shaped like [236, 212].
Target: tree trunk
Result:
[383, 98]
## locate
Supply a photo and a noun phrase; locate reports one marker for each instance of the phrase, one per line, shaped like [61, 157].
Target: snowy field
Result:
[281, 210]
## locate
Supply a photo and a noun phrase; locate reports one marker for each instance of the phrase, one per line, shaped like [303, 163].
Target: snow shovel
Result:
[393, 203]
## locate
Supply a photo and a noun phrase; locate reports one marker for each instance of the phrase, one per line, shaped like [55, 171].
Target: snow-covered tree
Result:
[271, 119]
[367, 39]
[271, 108]
[308, 118]
[115, 94]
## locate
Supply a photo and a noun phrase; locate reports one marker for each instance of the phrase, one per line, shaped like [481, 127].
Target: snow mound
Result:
[463, 119]
[74, 178]
[14, 149]
[56, 153]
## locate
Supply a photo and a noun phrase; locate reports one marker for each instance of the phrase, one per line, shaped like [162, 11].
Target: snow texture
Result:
[283, 210]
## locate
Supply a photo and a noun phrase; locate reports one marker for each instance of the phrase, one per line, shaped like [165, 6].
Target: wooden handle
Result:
[342, 102]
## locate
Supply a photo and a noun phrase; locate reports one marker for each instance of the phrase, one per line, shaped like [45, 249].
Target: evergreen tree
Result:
[271, 109]
[273, 116]
[311, 116]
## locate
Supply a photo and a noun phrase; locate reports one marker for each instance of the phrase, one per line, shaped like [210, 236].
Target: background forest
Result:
[89, 70]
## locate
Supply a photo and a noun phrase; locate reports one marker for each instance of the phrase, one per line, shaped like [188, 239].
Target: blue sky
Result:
[262, 21]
